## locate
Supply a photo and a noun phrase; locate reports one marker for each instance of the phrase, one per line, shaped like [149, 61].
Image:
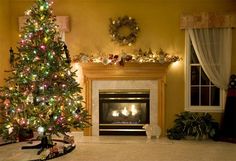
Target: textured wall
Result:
[4, 38]
[158, 20]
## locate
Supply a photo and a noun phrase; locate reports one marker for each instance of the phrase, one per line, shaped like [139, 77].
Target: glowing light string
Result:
[149, 56]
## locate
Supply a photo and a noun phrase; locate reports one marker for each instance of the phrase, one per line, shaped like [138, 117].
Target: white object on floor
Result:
[152, 130]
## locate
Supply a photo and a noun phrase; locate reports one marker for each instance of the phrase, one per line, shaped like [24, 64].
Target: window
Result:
[201, 94]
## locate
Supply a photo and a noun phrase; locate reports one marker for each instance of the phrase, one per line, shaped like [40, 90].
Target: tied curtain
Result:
[213, 49]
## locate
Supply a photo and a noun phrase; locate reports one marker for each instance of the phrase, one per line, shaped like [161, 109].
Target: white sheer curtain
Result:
[213, 47]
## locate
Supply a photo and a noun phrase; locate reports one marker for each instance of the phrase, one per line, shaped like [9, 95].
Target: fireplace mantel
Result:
[130, 71]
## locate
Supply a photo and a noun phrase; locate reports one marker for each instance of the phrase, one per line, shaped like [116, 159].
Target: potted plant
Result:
[193, 125]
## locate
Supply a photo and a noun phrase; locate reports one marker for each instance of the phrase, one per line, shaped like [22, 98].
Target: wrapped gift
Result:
[69, 139]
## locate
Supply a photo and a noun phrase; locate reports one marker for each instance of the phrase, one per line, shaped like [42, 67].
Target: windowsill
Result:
[204, 109]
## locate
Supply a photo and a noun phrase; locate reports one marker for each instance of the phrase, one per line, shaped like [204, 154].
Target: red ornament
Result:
[22, 122]
[43, 47]
[36, 58]
[50, 128]
[60, 120]
[7, 102]
[78, 118]
[22, 42]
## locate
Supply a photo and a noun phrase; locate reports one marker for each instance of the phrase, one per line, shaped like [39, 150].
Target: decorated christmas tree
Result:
[41, 93]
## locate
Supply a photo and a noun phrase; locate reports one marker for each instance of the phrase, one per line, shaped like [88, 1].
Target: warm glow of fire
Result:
[125, 112]
[115, 113]
[134, 110]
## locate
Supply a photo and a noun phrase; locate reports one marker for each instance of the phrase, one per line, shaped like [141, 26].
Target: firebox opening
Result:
[123, 112]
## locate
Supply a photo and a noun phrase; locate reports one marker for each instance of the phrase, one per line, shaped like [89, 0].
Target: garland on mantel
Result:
[149, 56]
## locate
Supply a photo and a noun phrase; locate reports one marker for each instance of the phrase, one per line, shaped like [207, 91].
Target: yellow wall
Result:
[158, 20]
[4, 38]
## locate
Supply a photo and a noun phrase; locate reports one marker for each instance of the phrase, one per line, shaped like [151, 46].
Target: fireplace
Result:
[123, 112]
[132, 76]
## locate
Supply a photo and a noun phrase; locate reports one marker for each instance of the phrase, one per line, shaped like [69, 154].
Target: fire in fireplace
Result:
[123, 112]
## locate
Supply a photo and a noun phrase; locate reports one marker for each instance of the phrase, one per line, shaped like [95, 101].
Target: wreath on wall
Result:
[124, 30]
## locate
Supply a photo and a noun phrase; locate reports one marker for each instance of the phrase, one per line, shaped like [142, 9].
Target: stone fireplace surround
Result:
[149, 76]
[98, 85]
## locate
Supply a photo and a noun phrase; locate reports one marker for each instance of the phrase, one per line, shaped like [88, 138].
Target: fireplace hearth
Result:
[123, 112]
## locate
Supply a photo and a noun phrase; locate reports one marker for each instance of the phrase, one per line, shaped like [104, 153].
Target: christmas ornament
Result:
[36, 59]
[41, 130]
[22, 121]
[69, 139]
[105, 61]
[7, 102]
[30, 99]
[10, 129]
[82, 57]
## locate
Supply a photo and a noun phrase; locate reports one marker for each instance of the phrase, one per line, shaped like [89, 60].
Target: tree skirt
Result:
[13, 151]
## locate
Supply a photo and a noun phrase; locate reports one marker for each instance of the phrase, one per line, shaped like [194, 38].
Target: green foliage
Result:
[194, 125]
[41, 91]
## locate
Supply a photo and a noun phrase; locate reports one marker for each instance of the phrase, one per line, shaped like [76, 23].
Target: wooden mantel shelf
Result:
[130, 71]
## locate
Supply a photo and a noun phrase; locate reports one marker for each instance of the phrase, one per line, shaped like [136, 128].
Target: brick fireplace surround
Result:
[130, 72]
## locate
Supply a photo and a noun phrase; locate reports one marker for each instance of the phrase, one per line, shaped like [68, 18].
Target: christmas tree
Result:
[41, 93]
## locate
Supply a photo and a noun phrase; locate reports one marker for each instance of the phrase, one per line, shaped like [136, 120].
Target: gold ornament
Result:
[30, 99]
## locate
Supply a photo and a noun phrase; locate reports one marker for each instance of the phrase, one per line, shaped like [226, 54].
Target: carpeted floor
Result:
[132, 148]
